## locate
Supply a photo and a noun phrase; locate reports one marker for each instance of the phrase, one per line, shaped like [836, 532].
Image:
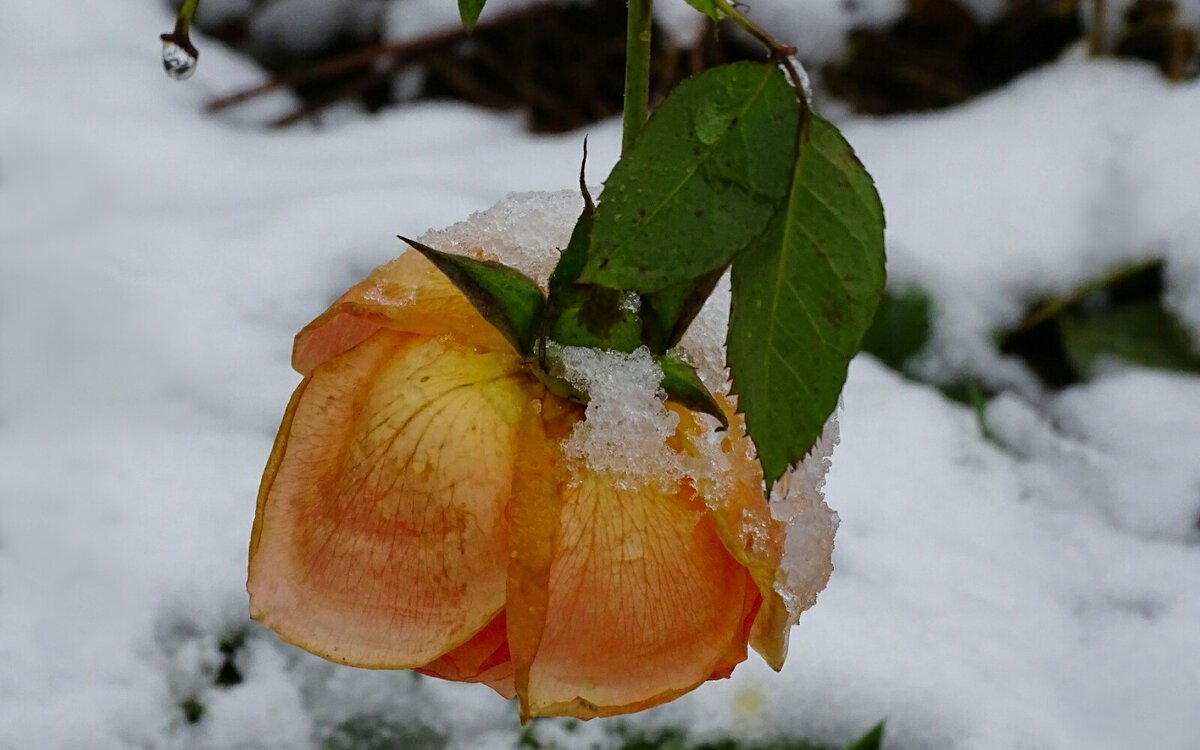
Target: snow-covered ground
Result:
[155, 263]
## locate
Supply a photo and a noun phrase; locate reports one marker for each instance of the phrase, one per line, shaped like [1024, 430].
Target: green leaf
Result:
[901, 327]
[502, 295]
[872, 740]
[707, 7]
[804, 294]
[706, 175]
[683, 386]
[1140, 332]
[468, 11]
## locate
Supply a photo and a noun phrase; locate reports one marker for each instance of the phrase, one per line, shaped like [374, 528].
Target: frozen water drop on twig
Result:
[179, 57]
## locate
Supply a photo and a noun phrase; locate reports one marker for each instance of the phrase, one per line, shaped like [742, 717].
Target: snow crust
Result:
[627, 423]
[155, 263]
[798, 500]
[523, 230]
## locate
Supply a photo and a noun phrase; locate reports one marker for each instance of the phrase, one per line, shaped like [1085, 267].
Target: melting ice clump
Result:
[799, 501]
[627, 423]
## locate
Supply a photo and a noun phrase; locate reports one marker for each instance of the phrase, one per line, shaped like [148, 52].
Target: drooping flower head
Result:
[431, 505]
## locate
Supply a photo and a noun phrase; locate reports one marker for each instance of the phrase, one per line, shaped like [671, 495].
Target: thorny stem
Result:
[637, 70]
[780, 51]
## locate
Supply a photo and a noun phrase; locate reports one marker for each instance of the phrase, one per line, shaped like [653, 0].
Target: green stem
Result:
[637, 70]
[183, 21]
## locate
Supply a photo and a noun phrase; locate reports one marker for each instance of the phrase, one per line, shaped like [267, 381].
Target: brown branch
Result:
[1097, 42]
[397, 54]
[354, 88]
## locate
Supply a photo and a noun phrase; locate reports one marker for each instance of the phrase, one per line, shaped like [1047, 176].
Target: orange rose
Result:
[419, 511]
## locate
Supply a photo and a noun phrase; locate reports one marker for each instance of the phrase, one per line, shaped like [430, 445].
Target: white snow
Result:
[296, 27]
[1065, 175]
[155, 264]
[627, 424]
[799, 501]
[525, 231]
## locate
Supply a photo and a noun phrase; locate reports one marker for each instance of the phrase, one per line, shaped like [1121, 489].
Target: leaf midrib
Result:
[785, 235]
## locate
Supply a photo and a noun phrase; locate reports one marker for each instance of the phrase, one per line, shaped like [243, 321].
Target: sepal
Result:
[684, 386]
[506, 298]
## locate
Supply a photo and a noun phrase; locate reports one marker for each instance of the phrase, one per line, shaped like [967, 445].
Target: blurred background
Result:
[1018, 564]
[560, 62]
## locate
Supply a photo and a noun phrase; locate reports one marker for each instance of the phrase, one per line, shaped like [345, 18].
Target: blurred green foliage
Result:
[1119, 315]
[901, 327]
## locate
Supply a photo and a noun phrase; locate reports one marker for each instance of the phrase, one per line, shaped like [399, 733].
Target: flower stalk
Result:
[637, 70]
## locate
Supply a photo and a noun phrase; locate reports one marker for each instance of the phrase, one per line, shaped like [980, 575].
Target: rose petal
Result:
[502, 684]
[751, 534]
[380, 539]
[408, 294]
[534, 515]
[484, 658]
[644, 603]
[736, 654]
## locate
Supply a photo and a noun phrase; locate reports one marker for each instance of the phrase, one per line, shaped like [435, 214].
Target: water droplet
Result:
[179, 62]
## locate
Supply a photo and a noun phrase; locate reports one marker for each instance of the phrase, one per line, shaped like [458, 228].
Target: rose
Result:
[418, 512]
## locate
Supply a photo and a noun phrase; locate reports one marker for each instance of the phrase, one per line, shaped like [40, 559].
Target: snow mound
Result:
[1053, 181]
[524, 230]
